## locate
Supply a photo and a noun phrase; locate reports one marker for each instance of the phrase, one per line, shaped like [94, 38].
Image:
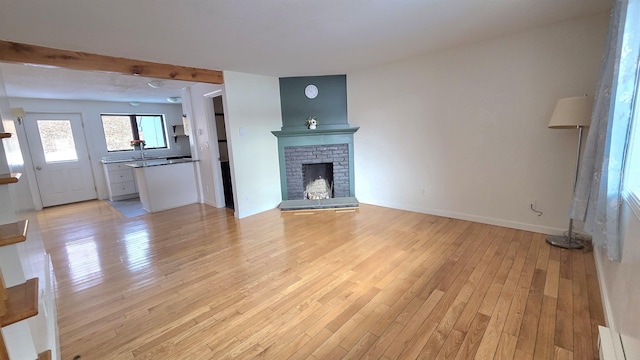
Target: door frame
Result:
[28, 159]
[213, 148]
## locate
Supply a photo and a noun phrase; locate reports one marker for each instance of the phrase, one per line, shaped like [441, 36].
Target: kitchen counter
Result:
[114, 161]
[158, 162]
[109, 160]
[165, 184]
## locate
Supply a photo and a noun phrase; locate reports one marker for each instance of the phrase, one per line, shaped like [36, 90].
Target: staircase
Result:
[27, 307]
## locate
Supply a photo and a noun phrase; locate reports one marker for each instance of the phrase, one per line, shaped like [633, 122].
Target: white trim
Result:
[634, 202]
[213, 93]
[212, 204]
[604, 294]
[475, 218]
[609, 344]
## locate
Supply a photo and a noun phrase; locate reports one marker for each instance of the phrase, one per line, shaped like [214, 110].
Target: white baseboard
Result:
[606, 302]
[475, 218]
[609, 344]
[213, 204]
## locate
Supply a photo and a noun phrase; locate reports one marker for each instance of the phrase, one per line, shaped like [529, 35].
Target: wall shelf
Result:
[9, 178]
[4, 135]
[175, 137]
[22, 302]
[13, 233]
[177, 134]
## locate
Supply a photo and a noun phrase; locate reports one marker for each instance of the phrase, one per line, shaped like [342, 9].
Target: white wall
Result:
[199, 108]
[463, 132]
[252, 108]
[620, 283]
[90, 112]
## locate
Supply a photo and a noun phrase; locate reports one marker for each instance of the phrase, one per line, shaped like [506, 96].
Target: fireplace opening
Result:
[318, 181]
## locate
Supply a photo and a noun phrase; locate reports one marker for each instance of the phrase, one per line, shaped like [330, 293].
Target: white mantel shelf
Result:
[315, 132]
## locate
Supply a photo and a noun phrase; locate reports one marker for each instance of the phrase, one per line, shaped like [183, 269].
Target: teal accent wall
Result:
[329, 107]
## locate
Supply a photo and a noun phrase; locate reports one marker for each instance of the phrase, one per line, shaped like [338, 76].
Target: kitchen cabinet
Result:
[120, 181]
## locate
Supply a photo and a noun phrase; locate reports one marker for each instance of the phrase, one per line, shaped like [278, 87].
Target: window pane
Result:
[57, 140]
[632, 167]
[151, 130]
[117, 131]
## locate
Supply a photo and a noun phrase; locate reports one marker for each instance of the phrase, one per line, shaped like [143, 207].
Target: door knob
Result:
[38, 167]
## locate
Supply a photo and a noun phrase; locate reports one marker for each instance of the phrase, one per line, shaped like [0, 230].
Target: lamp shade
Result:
[572, 112]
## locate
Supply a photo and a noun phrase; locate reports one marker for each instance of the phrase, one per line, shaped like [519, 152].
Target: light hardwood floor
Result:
[195, 283]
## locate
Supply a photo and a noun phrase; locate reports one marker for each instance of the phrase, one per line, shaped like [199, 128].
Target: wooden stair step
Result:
[9, 178]
[45, 355]
[13, 232]
[22, 302]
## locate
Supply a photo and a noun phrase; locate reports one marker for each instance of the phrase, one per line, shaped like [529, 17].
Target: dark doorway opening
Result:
[224, 152]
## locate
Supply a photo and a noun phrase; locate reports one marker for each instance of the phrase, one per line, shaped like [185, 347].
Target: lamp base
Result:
[563, 242]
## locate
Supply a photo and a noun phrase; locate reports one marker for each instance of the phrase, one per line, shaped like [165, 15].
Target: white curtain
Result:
[597, 198]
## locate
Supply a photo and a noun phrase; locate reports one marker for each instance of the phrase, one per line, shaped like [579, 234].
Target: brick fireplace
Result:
[296, 157]
[299, 147]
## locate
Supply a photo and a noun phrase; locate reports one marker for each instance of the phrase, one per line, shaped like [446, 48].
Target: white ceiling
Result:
[54, 83]
[270, 37]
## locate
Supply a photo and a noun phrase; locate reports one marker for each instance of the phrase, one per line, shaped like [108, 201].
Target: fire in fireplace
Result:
[318, 181]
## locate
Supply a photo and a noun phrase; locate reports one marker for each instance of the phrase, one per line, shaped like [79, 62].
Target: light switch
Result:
[241, 131]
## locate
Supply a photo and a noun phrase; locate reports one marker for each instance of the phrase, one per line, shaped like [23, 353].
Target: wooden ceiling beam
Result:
[32, 54]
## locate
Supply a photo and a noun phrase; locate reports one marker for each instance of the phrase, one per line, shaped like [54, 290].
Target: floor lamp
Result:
[571, 113]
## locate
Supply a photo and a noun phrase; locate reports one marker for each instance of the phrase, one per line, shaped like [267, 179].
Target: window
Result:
[119, 130]
[57, 141]
[632, 165]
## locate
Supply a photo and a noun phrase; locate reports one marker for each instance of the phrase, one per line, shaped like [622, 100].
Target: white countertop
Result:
[138, 159]
[158, 162]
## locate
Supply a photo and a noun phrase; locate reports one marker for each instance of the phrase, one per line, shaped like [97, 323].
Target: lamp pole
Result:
[567, 242]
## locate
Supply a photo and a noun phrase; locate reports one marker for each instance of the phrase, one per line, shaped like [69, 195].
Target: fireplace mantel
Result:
[316, 132]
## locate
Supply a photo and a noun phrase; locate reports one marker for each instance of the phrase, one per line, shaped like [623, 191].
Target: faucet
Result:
[142, 153]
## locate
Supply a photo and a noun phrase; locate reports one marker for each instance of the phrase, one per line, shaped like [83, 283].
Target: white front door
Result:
[60, 158]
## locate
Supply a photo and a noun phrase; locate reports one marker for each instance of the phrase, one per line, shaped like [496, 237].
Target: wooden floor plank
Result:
[506, 347]
[473, 337]
[377, 283]
[437, 340]
[517, 308]
[546, 329]
[562, 354]
[529, 329]
[582, 336]
[450, 347]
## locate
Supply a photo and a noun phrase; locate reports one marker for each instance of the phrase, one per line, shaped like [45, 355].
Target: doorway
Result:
[223, 150]
[60, 158]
